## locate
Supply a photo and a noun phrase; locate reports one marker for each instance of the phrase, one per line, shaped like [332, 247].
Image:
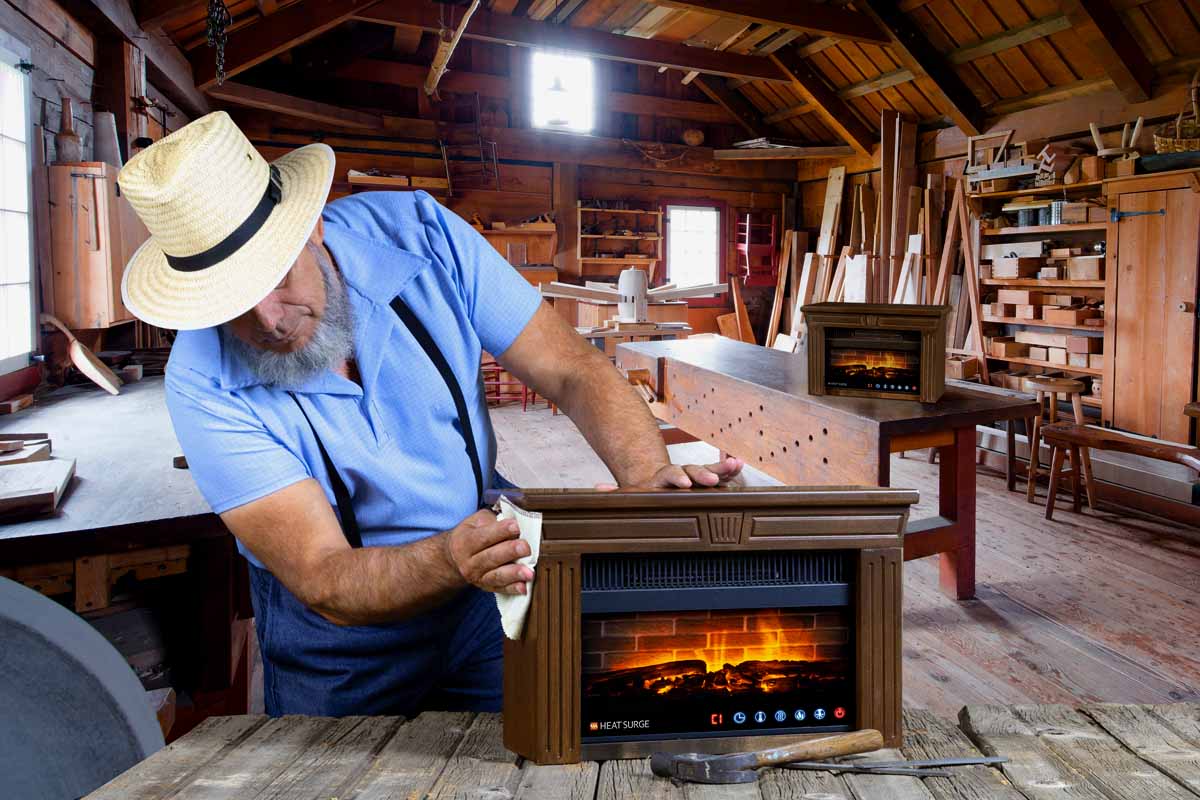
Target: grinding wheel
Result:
[74, 714]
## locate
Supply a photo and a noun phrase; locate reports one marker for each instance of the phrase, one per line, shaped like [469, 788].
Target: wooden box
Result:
[1096, 361]
[1039, 353]
[1057, 355]
[1020, 297]
[94, 232]
[1068, 316]
[605, 550]
[1085, 268]
[1077, 359]
[1028, 312]
[961, 368]
[1016, 267]
[1003, 309]
[877, 350]
[1085, 344]
[1007, 347]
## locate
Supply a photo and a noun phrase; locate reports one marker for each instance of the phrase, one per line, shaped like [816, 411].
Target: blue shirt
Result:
[394, 439]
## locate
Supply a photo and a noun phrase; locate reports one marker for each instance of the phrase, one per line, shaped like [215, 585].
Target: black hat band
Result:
[240, 235]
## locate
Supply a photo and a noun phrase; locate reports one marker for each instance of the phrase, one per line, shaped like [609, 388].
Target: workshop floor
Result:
[1085, 608]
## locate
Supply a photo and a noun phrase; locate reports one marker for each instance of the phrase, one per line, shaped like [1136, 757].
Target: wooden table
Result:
[1098, 752]
[753, 402]
[128, 510]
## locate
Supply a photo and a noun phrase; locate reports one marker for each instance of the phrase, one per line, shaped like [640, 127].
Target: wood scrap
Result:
[35, 487]
[782, 270]
[25, 453]
[908, 280]
[786, 343]
[745, 331]
[837, 287]
[15, 404]
[950, 245]
[727, 324]
[806, 290]
[858, 276]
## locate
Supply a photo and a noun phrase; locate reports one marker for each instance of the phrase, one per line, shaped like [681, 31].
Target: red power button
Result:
[839, 713]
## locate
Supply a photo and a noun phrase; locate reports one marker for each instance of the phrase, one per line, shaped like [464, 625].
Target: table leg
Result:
[1010, 454]
[1075, 470]
[956, 502]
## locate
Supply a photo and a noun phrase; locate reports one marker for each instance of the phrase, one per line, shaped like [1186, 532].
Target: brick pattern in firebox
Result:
[622, 641]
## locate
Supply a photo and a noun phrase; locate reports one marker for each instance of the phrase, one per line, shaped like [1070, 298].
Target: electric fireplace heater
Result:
[715, 620]
[871, 350]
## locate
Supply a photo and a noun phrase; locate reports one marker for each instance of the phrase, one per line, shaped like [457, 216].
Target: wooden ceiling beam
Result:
[916, 54]
[823, 19]
[735, 103]
[500, 29]
[412, 75]
[153, 13]
[252, 97]
[445, 50]
[1022, 34]
[834, 110]
[1104, 33]
[166, 65]
[288, 27]
[788, 113]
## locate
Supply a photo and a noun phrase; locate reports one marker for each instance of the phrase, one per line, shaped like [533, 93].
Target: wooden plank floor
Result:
[1095, 752]
[1088, 608]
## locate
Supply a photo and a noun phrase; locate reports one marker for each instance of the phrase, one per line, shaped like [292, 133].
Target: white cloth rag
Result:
[514, 607]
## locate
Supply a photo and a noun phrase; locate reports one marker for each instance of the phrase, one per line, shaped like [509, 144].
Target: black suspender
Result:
[341, 494]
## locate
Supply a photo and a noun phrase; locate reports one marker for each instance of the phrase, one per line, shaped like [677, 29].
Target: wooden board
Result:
[34, 487]
[26, 454]
[831, 211]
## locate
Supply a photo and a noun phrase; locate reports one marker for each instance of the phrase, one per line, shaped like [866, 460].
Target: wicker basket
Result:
[1182, 133]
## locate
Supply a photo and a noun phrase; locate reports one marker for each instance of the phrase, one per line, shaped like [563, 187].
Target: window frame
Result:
[13, 51]
[723, 240]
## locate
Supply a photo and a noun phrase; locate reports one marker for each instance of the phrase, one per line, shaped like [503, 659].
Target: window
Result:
[16, 255]
[693, 245]
[563, 94]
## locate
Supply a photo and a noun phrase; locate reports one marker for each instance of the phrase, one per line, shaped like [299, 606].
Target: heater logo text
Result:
[620, 725]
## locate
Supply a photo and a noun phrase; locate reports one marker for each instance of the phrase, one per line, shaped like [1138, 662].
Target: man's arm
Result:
[295, 534]
[557, 363]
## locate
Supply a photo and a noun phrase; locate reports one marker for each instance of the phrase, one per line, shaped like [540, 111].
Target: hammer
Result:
[740, 767]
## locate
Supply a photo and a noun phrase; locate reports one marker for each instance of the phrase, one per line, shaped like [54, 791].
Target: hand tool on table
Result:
[740, 767]
[84, 359]
[932, 768]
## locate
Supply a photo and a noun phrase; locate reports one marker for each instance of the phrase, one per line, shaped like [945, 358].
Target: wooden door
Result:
[1155, 336]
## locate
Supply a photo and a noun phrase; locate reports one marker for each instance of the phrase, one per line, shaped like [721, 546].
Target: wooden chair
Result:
[1080, 438]
[1049, 388]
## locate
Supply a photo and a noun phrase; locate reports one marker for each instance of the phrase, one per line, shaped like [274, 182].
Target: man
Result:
[325, 388]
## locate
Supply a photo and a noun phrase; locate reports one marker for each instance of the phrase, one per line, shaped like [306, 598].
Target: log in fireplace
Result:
[713, 620]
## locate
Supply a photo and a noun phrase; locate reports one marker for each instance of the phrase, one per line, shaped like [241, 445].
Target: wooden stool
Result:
[1050, 388]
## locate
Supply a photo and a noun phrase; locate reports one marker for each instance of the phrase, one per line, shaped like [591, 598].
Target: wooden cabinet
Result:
[94, 232]
[1156, 260]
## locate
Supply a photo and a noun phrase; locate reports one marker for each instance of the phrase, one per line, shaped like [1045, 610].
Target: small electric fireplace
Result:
[707, 620]
[867, 350]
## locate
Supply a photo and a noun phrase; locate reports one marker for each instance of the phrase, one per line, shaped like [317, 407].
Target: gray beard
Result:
[332, 343]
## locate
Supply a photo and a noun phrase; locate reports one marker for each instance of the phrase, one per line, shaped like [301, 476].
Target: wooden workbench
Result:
[129, 510]
[1098, 752]
[753, 402]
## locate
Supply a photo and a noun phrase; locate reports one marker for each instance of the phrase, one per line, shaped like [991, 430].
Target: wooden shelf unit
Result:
[647, 226]
[1078, 227]
[1071, 235]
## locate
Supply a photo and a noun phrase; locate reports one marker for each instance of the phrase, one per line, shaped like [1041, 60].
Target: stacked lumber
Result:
[31, 482]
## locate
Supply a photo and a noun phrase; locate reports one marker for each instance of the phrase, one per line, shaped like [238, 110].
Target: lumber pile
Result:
[31, 482]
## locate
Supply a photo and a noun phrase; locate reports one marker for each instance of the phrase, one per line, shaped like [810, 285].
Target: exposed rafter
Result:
[265, 100]
[735, 103]
[165, 64]
[489, 27]
[920, 57]
[824, 19]
[1105, 35]
[288, 27]
[836, 113]
[781, 153]
[153, 13]
[412, 75]
[445, 50]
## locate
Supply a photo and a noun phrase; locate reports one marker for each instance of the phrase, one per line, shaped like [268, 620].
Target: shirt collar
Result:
[375, 271]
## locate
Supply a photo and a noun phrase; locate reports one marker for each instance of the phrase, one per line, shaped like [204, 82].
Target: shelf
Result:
[1057, 188]
[1078, 227]
[517, 231]
[1063, 367]
[1040, 324]
[620, 211]
[1036, 282]
[598, 260]
[650, 238]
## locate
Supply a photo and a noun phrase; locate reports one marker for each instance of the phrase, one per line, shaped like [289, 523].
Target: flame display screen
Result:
[716, 673]
[873, 361]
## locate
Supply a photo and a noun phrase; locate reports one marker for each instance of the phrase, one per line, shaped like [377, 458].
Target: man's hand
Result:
[685, 476]
[484, 550]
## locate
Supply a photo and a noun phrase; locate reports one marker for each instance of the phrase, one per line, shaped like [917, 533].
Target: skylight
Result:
[563, 92]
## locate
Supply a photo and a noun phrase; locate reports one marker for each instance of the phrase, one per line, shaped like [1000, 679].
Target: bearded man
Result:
[325, 388]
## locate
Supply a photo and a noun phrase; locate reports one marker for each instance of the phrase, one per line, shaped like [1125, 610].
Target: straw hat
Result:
[225, 226]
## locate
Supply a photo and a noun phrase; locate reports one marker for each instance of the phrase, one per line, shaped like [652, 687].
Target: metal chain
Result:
[217, 24]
